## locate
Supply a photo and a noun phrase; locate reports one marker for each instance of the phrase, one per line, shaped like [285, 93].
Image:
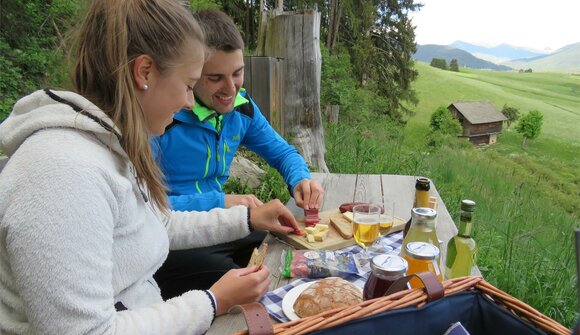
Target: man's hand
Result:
[248, 200]
[309, 194]
[275, 217]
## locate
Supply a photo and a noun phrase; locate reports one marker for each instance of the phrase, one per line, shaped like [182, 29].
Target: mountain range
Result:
[497, 54]
[503, 57]
[425, 53]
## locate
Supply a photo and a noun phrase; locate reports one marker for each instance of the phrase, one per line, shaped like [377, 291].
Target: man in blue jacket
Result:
[197, 149]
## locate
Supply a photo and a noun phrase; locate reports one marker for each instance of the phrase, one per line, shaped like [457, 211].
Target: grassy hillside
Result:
[557, 96]
[566, 59]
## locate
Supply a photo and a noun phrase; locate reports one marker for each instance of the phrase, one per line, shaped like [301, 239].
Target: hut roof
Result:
[477, 112]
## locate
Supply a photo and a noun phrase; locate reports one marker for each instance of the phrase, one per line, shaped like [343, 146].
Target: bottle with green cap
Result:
[462, 249]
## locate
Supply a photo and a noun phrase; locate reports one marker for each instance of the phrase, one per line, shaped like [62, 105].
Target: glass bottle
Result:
[422, 257]
[422, 227]
[386, 269]
[422, 187]
[462, 249]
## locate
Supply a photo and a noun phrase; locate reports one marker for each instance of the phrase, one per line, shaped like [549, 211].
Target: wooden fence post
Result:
[331, 113]
[296, 38]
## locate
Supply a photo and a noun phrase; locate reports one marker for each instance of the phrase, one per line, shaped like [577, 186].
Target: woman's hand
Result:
[240, 286]
[275, 217]
[309, 194]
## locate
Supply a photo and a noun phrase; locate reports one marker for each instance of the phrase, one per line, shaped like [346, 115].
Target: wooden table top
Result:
[341, 188]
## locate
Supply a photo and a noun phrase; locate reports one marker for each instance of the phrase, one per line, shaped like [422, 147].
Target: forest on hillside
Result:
[367, 45]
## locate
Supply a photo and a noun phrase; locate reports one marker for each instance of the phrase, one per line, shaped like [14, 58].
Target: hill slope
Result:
[425, 53]
[566, 59]
[556, 95]
[497, 54]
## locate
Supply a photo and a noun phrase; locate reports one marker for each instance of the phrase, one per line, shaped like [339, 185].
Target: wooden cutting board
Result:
[333, 241]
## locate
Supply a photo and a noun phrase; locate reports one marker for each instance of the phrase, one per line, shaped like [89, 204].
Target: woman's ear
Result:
[143, 71]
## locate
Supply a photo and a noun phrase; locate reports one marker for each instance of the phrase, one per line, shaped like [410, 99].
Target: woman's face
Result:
[221, 80]
[168, 92]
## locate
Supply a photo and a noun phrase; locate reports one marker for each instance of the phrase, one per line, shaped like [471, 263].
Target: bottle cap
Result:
[422, 250]
[423, 214]
[468, 205]
[389, 265]
[423, 183]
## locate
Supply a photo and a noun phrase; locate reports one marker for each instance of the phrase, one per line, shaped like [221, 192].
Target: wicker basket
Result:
[418, 297]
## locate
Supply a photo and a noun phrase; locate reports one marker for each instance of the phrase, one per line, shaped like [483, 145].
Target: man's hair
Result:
[220, 30]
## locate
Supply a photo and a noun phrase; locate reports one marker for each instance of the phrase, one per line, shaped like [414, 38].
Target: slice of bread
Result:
[258, 256]
[342, 226]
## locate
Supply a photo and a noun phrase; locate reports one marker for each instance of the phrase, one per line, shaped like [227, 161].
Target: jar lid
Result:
[423, 213]
[422, 250]
[389, 265]
[468, 205]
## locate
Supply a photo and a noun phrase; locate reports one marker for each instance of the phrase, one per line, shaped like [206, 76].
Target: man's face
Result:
[221, 79]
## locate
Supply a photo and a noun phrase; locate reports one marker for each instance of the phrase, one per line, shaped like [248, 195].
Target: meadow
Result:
[528, 201]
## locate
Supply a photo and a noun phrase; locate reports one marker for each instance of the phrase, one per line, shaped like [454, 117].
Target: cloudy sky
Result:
[535, 24]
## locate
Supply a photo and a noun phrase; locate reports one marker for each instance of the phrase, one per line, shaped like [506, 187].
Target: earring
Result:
[145, 87]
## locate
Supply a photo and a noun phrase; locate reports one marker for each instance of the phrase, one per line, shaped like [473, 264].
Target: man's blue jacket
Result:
[197, 149]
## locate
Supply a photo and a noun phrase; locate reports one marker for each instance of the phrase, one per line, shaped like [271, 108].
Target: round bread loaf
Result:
[326, 294]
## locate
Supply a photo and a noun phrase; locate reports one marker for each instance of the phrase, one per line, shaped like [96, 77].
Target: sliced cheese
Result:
[321, 227]
[310, 238]
[310, 230]
[320, 236]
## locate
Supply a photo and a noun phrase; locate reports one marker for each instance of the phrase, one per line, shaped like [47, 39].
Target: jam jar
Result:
[386, 269]
[421, 257]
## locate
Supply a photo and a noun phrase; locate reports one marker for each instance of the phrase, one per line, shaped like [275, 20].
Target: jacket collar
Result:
[202, 113]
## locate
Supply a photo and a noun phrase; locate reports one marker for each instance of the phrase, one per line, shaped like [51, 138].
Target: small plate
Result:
[290, 298]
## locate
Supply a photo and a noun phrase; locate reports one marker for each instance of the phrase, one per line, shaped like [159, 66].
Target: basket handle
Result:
[433, 286]
[256, 317]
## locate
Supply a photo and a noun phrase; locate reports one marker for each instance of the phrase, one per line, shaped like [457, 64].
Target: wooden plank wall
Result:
[264, 81]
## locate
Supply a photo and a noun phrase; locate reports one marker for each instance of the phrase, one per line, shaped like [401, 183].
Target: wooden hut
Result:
[480, 120]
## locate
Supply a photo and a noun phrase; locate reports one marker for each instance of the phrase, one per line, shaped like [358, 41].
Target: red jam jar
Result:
[386, 269]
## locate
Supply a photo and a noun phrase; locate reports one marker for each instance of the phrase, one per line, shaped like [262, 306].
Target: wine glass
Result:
[365, 222]
[386, 219]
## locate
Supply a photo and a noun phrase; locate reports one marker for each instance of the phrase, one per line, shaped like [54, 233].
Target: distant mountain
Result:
[425, 53]
[497, 54]
[566, 59]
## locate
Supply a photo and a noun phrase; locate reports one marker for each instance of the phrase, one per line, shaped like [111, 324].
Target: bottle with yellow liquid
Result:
[422, 187]
[462, 249]
[422, 228]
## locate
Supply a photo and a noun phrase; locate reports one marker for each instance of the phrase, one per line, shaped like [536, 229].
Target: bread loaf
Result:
[326, 294]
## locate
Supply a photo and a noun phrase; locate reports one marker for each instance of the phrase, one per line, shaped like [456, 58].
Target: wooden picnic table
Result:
[341, 188]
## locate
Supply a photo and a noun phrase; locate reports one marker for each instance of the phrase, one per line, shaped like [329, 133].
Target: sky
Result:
[534, 24]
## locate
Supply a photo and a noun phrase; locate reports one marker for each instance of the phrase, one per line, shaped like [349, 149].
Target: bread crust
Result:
[326, 294]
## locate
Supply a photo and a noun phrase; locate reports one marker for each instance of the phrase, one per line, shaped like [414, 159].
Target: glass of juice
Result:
[386, 219]
[365, 223]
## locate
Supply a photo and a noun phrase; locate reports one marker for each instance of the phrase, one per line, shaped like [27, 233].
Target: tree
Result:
[32, 47]
[442, 121]
[453, 65]
[512, 114]
[439, 63]
[530, 126]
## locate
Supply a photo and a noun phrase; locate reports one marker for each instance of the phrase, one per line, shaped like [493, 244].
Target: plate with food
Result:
[318, 296]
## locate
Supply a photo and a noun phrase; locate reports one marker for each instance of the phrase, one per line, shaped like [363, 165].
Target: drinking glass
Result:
[365, 222]
[387, 218]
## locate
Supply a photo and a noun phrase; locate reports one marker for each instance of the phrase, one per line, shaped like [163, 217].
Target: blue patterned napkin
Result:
[273, 299]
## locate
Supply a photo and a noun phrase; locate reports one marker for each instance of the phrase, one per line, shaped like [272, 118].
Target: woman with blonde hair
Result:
[84, 221]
